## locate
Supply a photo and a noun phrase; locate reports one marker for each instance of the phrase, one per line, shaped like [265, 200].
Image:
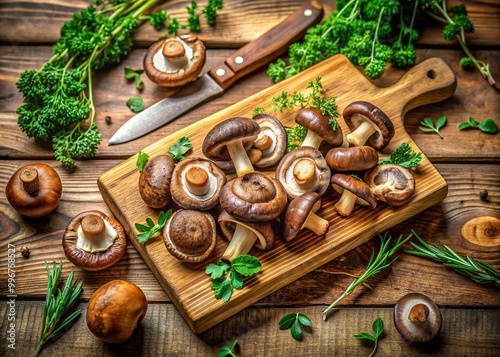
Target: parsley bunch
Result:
[368, 32]
[403, 156]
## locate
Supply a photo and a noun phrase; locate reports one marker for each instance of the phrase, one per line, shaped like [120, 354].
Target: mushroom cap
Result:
[271, 127]
[233, 129]
[153, 62]
[357, 112]
[284, 172]
[417, 332]
[178, 186]
[354, 158]
[154, 181]
[391, 183]
[263, 230]
[297, 212]
[359, 188]
[98, 260]
[190, 235]
[313, 119]
[253, 197]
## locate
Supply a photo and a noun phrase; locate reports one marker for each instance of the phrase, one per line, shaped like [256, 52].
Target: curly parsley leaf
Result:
[149, 229]
[294, 322]
[428, 126]
[378, 329]
[136, 104]
[226, 276]
[486, 126]
[142, 159]
[134, 74]
[403, 156]
[177, 151]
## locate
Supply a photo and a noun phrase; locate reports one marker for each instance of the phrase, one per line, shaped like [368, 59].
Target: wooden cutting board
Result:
[189, 287]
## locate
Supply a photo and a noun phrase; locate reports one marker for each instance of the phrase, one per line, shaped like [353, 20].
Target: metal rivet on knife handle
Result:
[220, 72]
[238, 59]
[308, 12]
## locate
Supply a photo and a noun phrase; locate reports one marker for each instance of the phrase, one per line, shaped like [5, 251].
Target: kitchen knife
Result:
[268, 47]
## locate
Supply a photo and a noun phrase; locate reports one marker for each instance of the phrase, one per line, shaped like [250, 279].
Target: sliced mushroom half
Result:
[303, 170]
[196, 184]
[175, 61]
[368, 124]
[391, 183]
[353, 191]
[244, 235]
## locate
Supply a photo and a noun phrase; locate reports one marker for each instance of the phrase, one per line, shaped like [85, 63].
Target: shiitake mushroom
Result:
[154, 181]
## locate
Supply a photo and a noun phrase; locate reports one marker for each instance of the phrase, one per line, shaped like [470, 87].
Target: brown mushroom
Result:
[319, 128]
[417, 318]
[227, 140]
[253, 197]
[34, 190]
[175, 61]
[154, 181]
[190, 235]
[196, 184]
[368, 124]
[303, 170]
[93, 241]
[271, 142]
[355, 158]
[301, 213]
[391, 183]
[244, 235]
[353, 191]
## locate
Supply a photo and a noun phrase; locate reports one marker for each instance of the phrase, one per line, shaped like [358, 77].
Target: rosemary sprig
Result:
[477, 270]
[374, 266]
[57, 305]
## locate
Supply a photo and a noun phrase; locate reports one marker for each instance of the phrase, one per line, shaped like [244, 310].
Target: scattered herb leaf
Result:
[135, 74]
[296, 136]
[228, 350]
[378, 329]
[403, 156]
[56, 316]
[374, 266]
[428, 125]
[136, 104]
[149, 229]
[257, 111]
[478, 270]
[294, 322]
[142, 159]
[486, 126]
[228, 276]
[177, 151]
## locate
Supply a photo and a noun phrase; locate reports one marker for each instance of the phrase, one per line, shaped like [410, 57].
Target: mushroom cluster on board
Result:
[225, 187]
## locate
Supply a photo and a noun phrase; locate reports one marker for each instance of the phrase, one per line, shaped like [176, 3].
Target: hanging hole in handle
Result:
[431, 74]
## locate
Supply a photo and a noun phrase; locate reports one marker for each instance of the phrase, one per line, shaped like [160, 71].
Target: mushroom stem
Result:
[93, 227]
[419, 313]
[362, 133]
[316, 224]
[345, 205]
[174, 55]
[242, 241]
[30, 180]
[263, 142]
[312, 139]
[241, 161]
[303, 171]
[254, 155]
[197, 181]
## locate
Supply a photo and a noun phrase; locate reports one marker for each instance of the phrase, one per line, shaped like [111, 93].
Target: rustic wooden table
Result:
[468, 160]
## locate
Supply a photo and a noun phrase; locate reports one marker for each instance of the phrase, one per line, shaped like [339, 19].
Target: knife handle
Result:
[269, 46]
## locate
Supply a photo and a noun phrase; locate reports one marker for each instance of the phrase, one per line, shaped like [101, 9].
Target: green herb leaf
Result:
[136, 104]
[142, 159]
[149, 229]
[135, 74]
[177, 151]
[486, 126]
[228, 350]
[294, 322]
[246, 265]
[257, 111]
[378, 329]
[428, 125]
[403, 156]
[236, 280]
[217, 270]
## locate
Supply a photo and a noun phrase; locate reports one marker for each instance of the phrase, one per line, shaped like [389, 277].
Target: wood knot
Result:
[483, 231]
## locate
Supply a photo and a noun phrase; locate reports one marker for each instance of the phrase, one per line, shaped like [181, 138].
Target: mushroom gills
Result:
[419, 330]
[389, 180]
[97, 244]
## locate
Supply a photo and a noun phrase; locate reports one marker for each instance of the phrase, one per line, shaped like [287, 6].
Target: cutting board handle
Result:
[428, 82]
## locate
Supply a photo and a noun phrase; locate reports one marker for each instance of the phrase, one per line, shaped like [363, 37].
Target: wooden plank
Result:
[473, 97]
[186, 285]
[239, 22]
[464, 333]
[442, 222]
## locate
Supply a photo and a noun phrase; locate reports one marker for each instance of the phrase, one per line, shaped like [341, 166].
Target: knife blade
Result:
[266, 48]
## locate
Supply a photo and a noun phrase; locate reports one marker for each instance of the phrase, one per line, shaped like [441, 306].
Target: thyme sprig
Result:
[375, 264]
[57, 305]
[477, 270]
